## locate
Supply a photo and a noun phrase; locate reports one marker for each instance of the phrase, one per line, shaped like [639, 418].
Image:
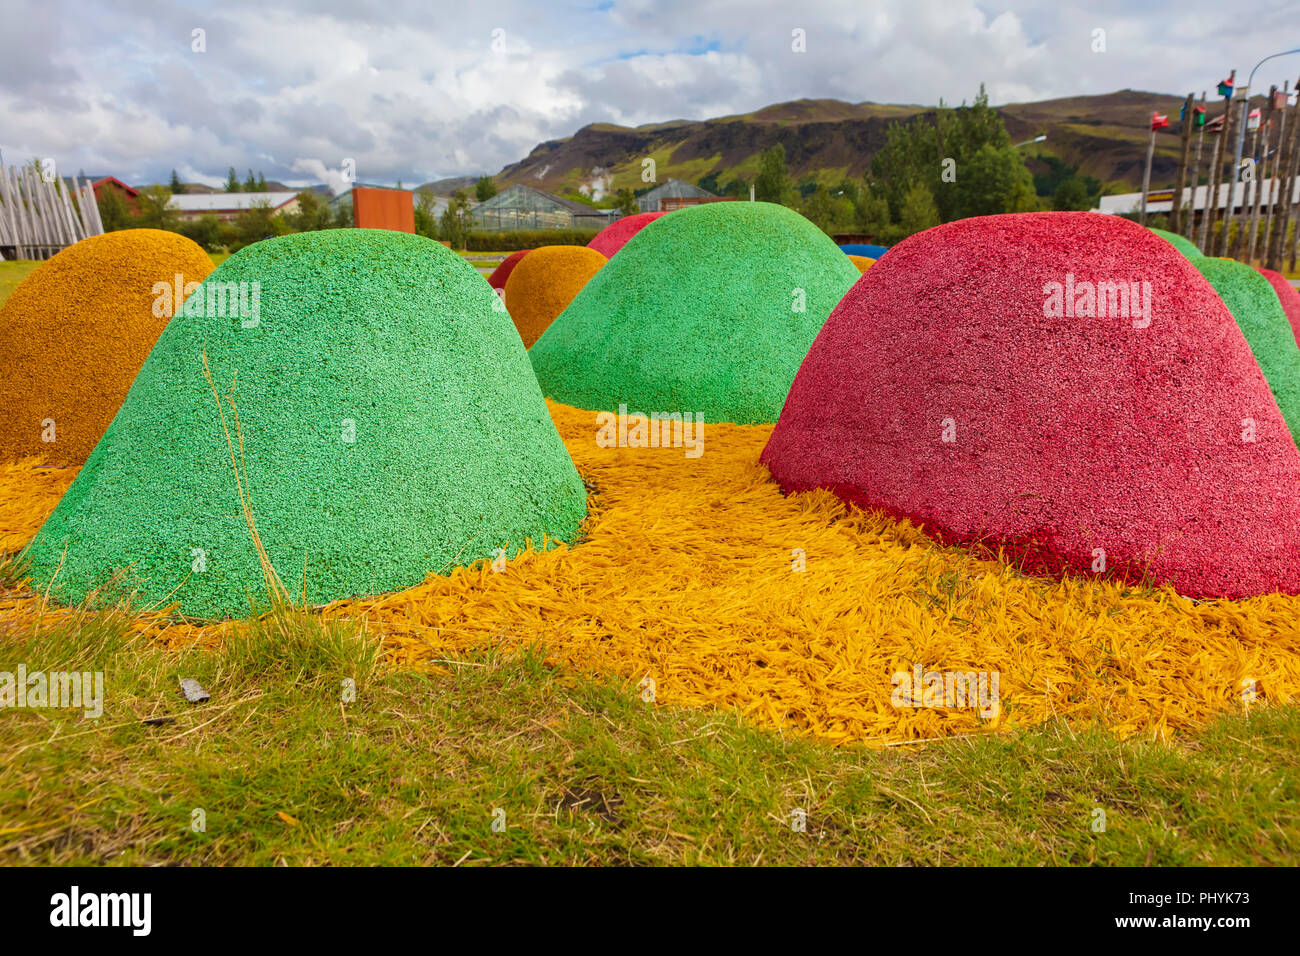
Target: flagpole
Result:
[1280, 208]
[1267, 218]
[1189, 118]
[1146, 176]
[1230, 213]
[1248, 192]
[1196, 173]
[1261, 177]
[1241, 142]
[1216, 169]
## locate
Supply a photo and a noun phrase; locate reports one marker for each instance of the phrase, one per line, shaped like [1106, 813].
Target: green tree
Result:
[872, 214]
[261, 182]
[829, 210]
[177, 187]
[256, 223]
[773, 183]
[848, 188]
[232, 181]
[206, 231]
[816, 208]
[1056, 172]
[455, 223]
[312, 214]
[155, 209]
[736, 187]
[484, 189]
[709, 183]
[625, 202]
[909, 155]
[112, 209]
[1071, 196]
[250, 184]
[965, 158]
[995, 180]
[919, 211]
[426, 223]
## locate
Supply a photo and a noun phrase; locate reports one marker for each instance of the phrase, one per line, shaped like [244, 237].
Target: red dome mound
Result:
[501, 273]
[1288, 296]
[949, 387]
[610, 239]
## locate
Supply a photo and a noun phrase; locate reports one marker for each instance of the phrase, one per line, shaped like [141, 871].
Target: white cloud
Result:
[415, 93]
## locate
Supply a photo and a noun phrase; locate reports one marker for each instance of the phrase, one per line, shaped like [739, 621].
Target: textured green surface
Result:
[696, 314]
[1181, 243]
[1259, 314]
[454, 451]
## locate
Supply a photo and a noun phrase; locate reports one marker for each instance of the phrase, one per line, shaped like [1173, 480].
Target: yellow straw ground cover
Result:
[29, 490]
[685, 586]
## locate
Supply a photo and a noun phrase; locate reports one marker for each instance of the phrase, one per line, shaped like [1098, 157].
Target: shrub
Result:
[513, 240]
[206, 231]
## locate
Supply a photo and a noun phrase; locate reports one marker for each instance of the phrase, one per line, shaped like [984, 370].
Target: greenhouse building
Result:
[522, 207]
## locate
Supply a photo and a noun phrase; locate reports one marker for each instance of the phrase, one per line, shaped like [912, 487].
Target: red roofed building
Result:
[109, 183]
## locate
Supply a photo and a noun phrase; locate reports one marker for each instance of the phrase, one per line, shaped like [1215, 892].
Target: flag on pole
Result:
[1159, 121]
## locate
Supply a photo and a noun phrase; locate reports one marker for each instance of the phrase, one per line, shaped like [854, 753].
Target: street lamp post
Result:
[1229, 213]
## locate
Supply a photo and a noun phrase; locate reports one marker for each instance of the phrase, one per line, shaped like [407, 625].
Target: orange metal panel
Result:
[383, 209]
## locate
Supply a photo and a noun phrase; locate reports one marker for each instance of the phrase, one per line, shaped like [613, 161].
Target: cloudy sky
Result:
[415, 91]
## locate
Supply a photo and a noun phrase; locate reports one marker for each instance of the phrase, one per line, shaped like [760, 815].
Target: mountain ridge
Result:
[827, 140]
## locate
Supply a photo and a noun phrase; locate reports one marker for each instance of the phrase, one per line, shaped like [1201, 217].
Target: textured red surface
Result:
[611, 239]
[501, 273]
[1071, 434]
[1288, 296]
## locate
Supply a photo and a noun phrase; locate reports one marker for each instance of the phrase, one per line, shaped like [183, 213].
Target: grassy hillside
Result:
[827, 140]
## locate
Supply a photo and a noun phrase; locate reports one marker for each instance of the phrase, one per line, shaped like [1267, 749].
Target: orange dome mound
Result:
[544, 283]
[862, 262]
[75, 332]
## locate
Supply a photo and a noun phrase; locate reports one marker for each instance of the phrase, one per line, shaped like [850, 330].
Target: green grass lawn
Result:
[12, 273]
[418, 766]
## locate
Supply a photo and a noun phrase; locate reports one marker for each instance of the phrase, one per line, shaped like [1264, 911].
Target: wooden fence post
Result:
[1176, 218]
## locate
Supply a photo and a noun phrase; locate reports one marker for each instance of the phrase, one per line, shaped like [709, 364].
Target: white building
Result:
[1162, 200]
[227, 206]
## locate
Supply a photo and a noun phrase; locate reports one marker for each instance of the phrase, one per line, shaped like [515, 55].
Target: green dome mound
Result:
[1262, 320]
[1181, 243]
[711, 312]
[386, 420]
